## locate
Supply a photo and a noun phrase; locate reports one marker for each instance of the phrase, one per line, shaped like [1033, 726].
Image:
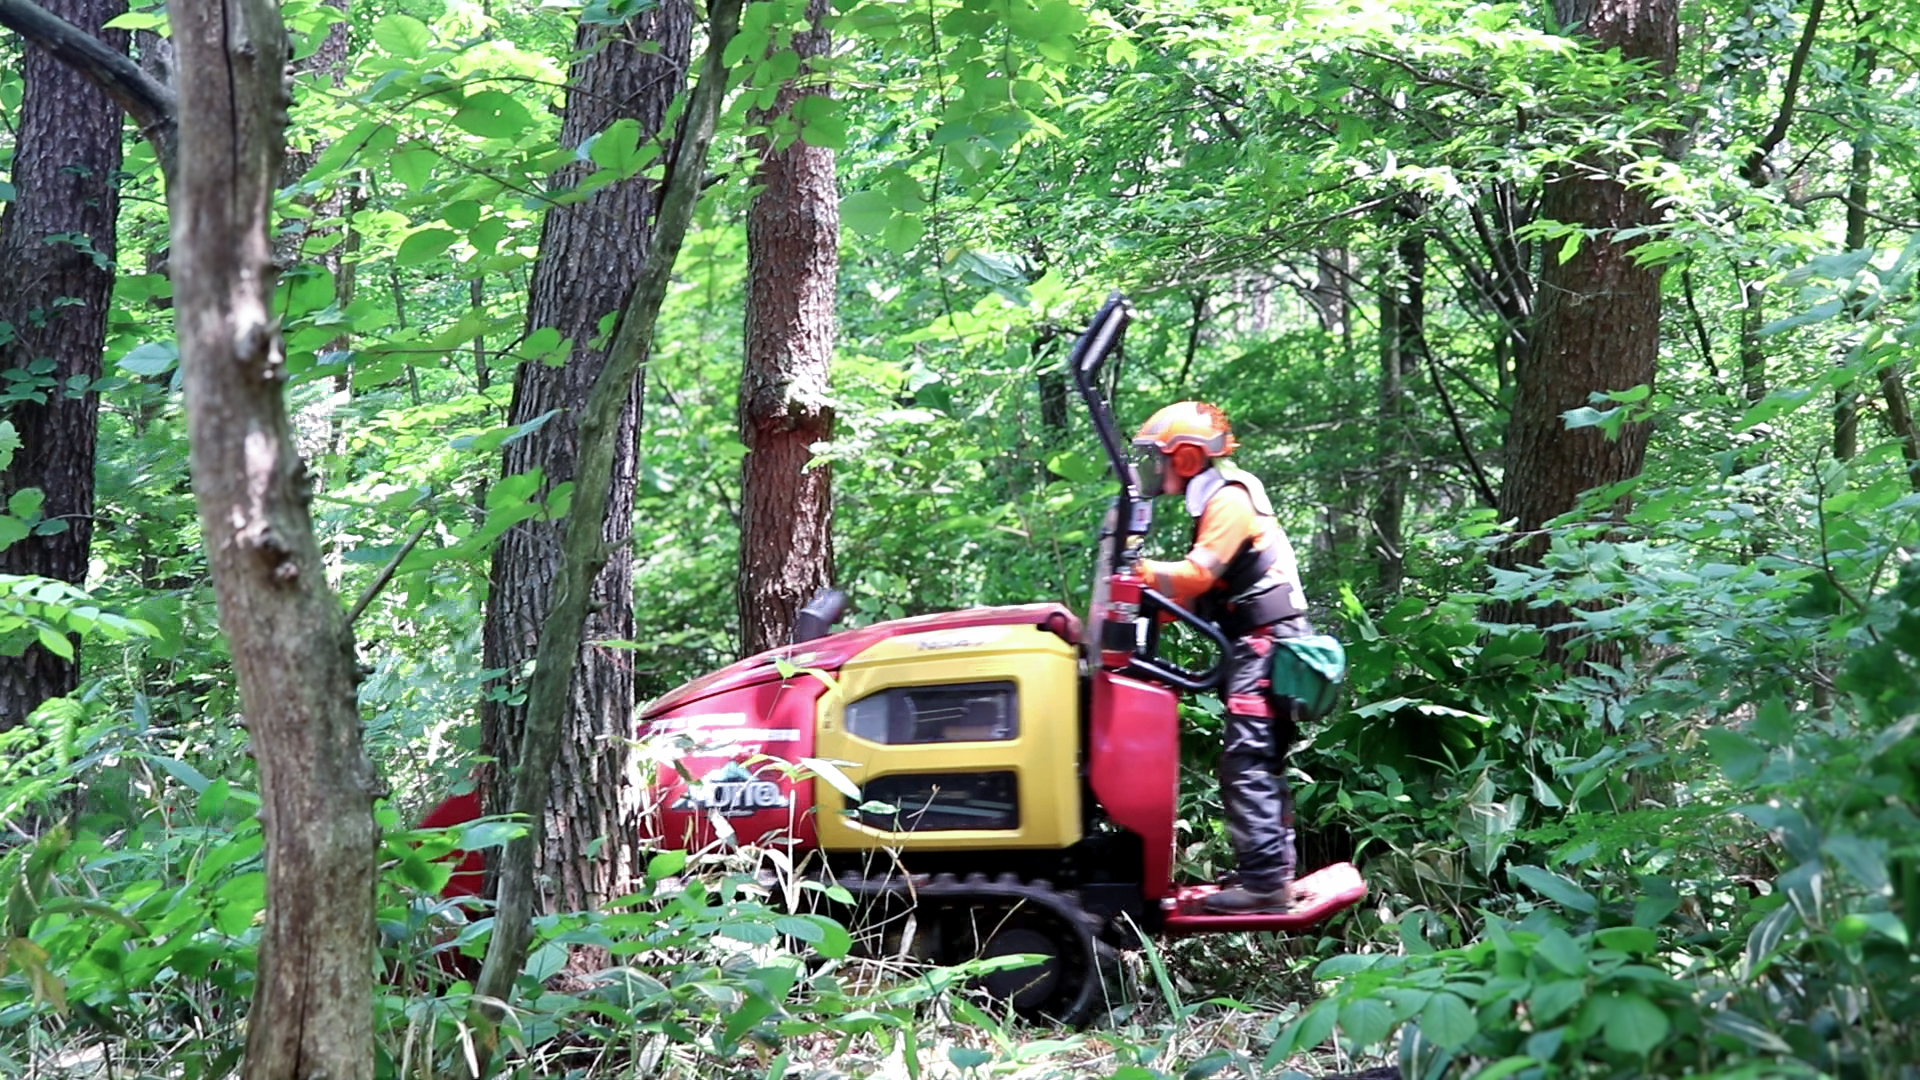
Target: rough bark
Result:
[793, 258]
[1329, 294]
[591, 253]
[292, 651]
[1846, 401]
[57, 246]
[1402, 344]
[586, 549]
[1598, 324]
[150, 103]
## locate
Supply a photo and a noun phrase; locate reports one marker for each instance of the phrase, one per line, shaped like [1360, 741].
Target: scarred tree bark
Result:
[57, 246]
[793, 261]
[591, 253]
[1598, 326]
[292, 649]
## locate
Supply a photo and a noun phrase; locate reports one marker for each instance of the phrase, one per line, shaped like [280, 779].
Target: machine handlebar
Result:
[1147, 661]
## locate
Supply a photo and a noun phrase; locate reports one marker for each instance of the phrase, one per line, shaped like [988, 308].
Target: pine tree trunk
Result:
[54, 299]
[292, 650]
[590, 255]
[1598, 324]
[793, 259]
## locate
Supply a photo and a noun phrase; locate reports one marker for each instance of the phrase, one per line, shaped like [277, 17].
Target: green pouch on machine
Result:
[1310, 671]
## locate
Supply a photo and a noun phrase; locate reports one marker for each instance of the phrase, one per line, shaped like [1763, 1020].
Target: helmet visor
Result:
[1150, 466]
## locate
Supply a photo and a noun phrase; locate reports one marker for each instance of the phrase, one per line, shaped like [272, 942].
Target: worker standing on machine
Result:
[1240, 574]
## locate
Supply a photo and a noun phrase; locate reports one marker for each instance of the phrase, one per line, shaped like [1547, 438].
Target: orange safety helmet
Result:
[1186, 434]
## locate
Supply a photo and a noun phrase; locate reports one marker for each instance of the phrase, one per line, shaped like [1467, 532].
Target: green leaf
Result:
[835, 942]
[423, 245]
[403, 35]
[493, 115]
[752, 933]
[182, 772]
[1552, 1000]
[866, 212]
[1366, 1021]
[1570, 247]
[546, 961]
[150, 360]
[1554, 887]
[242, 899]
[618, 148]
[56, 643]
[1208, 1066]
[1628, 939]
[1504, 1068]
[903, 232]
[1749, 1031]
[137, 20]
[803, 929]
[1739, 757]
[1076, 467]
[1561, 951]
[665, 865]
[461, 214]
[26, 503]
[1448, 1021]
[1632, 1024]
[828, 131]
[489, 834]
[968, 1057]
[486, 236]
[413, 167]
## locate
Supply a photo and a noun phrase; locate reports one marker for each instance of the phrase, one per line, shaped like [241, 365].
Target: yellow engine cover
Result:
[971, 735]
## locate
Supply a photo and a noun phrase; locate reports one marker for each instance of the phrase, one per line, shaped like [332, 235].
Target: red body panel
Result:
[747, 723]
[1133, 762]
[470, 872]
[830, 652]
[1316, 898]
[740, 744]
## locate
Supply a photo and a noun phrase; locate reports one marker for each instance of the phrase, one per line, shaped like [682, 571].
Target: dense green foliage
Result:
[1699, 859]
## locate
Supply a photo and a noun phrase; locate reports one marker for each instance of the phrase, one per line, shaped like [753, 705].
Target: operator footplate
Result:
[1316, 898]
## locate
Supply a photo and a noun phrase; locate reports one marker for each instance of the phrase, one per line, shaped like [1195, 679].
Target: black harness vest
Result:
[1242, 599]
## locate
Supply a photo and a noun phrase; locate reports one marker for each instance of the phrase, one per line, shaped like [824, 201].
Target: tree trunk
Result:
[1753, 352]
[1402, 344]
[312, 1013]
[1846, 402]
[1891, 377]
[1598, 326]
[591, 253]
[793, 261]
[584, 546]
[54, 299]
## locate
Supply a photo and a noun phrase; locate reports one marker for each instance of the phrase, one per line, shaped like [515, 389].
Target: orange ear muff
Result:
[1189, 461]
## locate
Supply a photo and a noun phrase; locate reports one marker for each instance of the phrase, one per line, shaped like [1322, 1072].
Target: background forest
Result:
[1572, 340]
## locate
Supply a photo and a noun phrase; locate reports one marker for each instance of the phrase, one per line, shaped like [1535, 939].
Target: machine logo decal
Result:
[732, 791]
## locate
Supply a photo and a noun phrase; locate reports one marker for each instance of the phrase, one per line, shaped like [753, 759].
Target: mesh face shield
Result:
[1151, 465]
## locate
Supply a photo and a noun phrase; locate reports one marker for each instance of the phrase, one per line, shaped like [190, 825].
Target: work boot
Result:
[1240, 900]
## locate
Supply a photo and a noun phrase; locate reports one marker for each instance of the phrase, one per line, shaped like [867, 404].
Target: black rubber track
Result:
[991, 906]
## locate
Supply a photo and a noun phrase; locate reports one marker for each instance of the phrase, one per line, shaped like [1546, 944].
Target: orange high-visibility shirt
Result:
[1226, 523]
